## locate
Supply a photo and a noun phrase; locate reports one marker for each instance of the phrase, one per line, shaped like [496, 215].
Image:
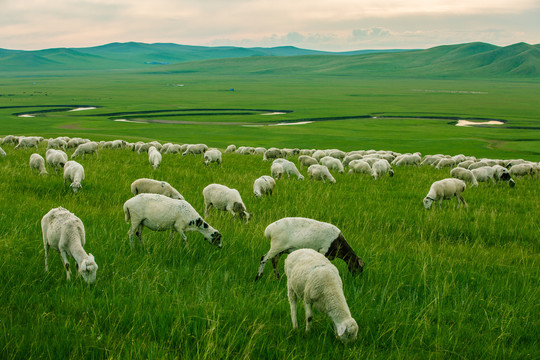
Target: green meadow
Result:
[443, 283]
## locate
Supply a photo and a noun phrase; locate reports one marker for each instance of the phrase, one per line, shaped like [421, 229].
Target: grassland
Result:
[447, 283]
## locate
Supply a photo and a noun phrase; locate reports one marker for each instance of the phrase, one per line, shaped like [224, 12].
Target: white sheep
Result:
[306, 160]
[2, 152]
[289, 168]
[318, 154]
[64, 232]
[430, 160]
[312, 278]
[28, 142]
[152, 186]
[465, 164]
[154, 157]
[445, 163]
[484, 174]
[224, 198]
[360, 167]
[276, 170]
[477, 165]
[272, 153]
[212, 156]
[381, 167]
[347, 159]
[160, 213]
[37, 162]
[292, 233]
[445, 189]
[230, 149]
[74, 173]
[407, 160]
[320, 172]
[502, 173]
[75, 142]
[172, 149]
[57, 144]
[332, 163]
[86, 148]
[259, 150]
[10, 139]
[56, 158]
[263, 185]
[522, 170]
[195, 149]
[465, 175]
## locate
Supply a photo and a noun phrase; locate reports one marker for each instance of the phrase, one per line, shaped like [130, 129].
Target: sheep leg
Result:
[207, 207]
[292, 301]
[462, 200]
[134, 227]
[309, 314]
[46, 257]
[269, 255]
[275, 262]
[65, 261]
[139, 233]
[179, 229]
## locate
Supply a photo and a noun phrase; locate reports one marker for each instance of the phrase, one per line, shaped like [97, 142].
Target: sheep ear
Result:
[341, 329]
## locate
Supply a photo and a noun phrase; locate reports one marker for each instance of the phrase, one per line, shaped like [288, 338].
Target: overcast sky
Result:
[334, 25]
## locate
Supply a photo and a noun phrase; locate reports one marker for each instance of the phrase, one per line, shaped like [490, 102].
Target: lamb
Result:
[306, 160]
[145, 185]
[37, 162]
[154, 157]
[320, 172]
[276, 170]
[212, 156]
[86, 148]
[381, 167]
[311, 277]
[465, 175]
[484, 174]
[263, 185]
[332, 163]
[56, 158]
[195, 149]
[74, 173]
[159, 213]
[223, 198]
[289, 168]
[292, 233]
[445, 189]
[230, 149]
[64, 232]
[360, 166]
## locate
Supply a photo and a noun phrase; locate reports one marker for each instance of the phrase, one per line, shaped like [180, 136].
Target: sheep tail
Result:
[126, 213]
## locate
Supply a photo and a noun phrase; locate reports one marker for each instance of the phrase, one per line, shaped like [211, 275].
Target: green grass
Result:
[444, 283]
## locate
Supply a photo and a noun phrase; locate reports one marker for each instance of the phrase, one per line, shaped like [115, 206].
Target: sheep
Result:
[318, 154]
[195, 149]
[292, 233]
[320, 172]
[56, 158]
[172, 149]
[332, 163]
[86, 148]
[64, 232]
[337, 154]
[312, 278]
[37, 162]
[230, 149]
[291, 152]
[159, 213]
[465, 175]
[10, 139]
[57, 144]
[445, 189]
[74, 173]
[407, 159]
[2, 152]
[484, 174]
[306, 160]
[477, 165]
[308, 152]
[259, 150]
[223, 198]
[445, 163]
[28, 142]
[522, 170]
[465, 164]
[272, 153]
[430, 160]
[145, 147]
[263, 185]
[152, 186]
[165, 147]
[360, 166]
[289, 168]
[245, 150]
[502, 173]
[211, 156]
[75, 142]
[276, 170]
[118, 144]
[154, 157]
[347, 160]
[381, 167]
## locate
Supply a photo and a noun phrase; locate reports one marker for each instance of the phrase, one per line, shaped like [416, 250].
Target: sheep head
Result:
[88, 269]
[347, 330]
[428, 202]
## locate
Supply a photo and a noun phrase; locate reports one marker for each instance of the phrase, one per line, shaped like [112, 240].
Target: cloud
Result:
[374, 32]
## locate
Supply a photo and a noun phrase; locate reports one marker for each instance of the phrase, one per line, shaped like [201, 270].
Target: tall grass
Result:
[444, 283]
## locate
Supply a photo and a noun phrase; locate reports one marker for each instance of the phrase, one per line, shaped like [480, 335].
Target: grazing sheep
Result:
[332, 163]
[37, 162]
[360, 167]
[172, 149]
[75, 142]
[318, 154]
[445, 163]
[165, 147]
[230, 149]
[289, 168]
[272, 153]
[2, 152]
[522, 170]
[118, 144]
[431, 160]
[152, 186]
[64, 232]
[159, 213]
[465, 175]
[245, 150]
[347, 160]
[308, 152]
[28, 142]
[407, 160]
[320, 172]
[259, 150]
[306, 160]
[502, 173]
[212, 156]
[381, 167]
[154, 157]
[223, 198]
[291, 152]
[74, 173]
[57, 144]
[477, 165]
[484, 174]
[263, 185]
[10, 139]
[86, 148]
[276, 170]
[56, 158]
[337, 154]
[292, 233]
[312, 278]
[465, 164]
[445, 189]
[195, 149]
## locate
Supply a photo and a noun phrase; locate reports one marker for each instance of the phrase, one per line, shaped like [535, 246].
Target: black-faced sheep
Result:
[224, 198]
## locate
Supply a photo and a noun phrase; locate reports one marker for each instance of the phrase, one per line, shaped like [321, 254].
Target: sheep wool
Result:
[263, 186]
[223, 198]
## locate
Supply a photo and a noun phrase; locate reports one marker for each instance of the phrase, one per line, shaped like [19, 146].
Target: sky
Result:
[332, 25]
